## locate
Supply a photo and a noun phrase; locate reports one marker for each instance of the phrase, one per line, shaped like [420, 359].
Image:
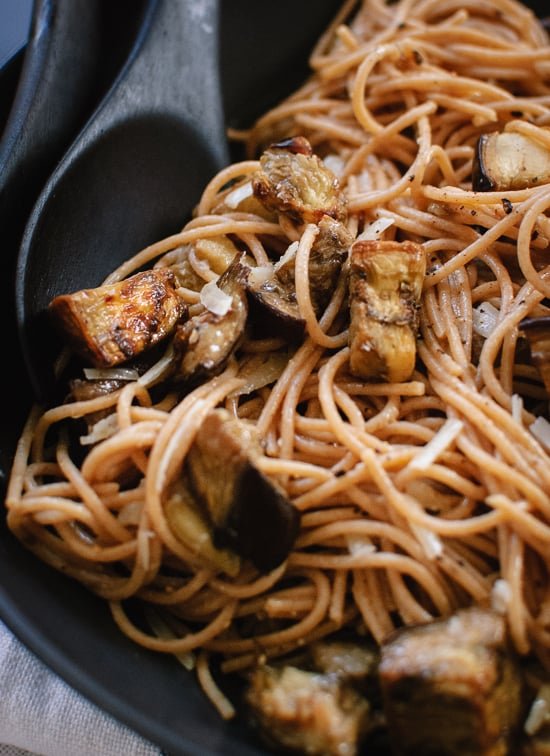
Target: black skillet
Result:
[67, 627]
[263, 50]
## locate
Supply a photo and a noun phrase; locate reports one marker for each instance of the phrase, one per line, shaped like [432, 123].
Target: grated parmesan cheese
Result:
[485, 318]
[214, 299]
[541, 431]
[430, 541]
[104, 428]
[375, 229]
[517, 408]
[360, 545]
[438, 444]
[501, 596]
[539, 713]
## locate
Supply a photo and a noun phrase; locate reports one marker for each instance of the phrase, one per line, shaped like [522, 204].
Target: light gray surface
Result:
[41, 714]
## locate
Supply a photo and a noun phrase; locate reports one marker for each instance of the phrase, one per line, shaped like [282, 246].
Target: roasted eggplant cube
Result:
[386, 281]
[275, 299]
[249, 513]
[293, 181]
[116, 322]
[349, 661]
[190, 526]
[537, 333]
[204, 344]
[508, 161]
[304, 712]
[451, 687]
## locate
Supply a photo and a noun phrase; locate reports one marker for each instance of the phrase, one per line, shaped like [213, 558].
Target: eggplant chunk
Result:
[277, 295]
[84, 390]
[293, 181]
[190, 526]
[204, 344]
[306, 712]
[537, 333]
[386, 279]
[509, 161]
[249, 513]
[116, 322]
[349, 661]
[451, 687]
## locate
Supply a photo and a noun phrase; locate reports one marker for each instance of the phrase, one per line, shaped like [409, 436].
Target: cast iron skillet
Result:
[70, 629]
[63, 624]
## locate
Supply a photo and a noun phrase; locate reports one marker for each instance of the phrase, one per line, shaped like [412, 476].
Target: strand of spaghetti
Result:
[221, 179]
[376, 620]
[222, 704]
[189, 642]
[106, 523]
[288, 634]
[399, 562]
[412, 176]
[178, 595]
[147, 255]
[321, 631]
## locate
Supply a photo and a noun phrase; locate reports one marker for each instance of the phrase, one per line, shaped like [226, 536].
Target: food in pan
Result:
[312, 438]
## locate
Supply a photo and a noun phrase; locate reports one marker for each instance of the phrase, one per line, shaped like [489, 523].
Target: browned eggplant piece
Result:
[451, 687]
[274, 308]
[277, 295]
[349, 661]
[204, 344]
[386, 279]
[249, 513]
[293, 181]
[508, 161]
[537, 333]
[113, 323]
[309, 713]
[190, 526]
[83, 390]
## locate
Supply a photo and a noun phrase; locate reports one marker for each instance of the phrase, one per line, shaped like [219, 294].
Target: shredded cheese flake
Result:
[374, 230]
[541, 431]
[485, 319]
[539, 713]
[214, 299]
[444, 437]
[360, 545]
[104, 428]
[501, 596]
[430, 541]
[287, 256]
[517, 408]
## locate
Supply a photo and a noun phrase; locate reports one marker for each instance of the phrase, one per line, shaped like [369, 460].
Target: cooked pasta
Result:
[416, 497]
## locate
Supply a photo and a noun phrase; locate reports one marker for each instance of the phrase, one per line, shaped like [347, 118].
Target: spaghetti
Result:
[416, 498]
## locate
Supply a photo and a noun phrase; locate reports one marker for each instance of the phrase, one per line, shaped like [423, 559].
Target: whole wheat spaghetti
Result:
[416, 498]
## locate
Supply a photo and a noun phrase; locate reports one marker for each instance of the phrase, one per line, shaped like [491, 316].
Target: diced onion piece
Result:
[260, 370]
[111, 374]
[288, 255]
[430, 541]
[214, 299]
[539, 713]
[517, 408]
[485, 319]
[161, 630]
[374, 230]
[437, 445]
[157, 370]
[501, 596]
[104, 428]
[259, 275]
[541, 431]
[242, 192]
[360, 545]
